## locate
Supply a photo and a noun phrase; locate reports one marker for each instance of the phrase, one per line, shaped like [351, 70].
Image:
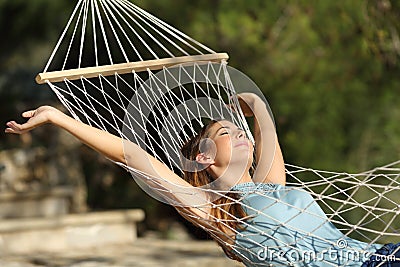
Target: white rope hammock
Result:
[118, 68]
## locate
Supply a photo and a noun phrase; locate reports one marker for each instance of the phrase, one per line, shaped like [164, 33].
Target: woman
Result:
[291, 226]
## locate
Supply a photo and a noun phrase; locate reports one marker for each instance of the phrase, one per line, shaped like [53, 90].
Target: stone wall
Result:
[49, 176]
[69, 232]
[43, 198]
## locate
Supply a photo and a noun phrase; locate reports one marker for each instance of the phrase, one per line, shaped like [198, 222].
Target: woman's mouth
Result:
[242, 143]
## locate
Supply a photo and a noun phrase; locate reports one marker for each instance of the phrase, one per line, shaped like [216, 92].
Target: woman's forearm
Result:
[105, 143]
[268, 152]
[263, 126]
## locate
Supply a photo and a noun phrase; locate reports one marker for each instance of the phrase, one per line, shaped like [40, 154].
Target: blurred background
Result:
[329, 69]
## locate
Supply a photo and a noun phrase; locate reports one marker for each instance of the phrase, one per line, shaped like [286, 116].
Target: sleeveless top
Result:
[288, 228]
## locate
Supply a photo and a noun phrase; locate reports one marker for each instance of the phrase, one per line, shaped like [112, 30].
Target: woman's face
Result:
[231, 145]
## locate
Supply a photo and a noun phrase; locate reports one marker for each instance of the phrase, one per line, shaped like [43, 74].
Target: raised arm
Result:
[269, 159]
[111, 146]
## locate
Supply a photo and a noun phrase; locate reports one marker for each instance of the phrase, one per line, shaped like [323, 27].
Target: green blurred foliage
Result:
[329, 69]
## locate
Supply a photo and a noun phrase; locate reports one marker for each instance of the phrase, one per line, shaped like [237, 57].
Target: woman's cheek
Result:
[224, 150]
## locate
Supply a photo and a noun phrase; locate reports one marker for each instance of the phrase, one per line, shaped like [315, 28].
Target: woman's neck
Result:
[230, 176]
[246, 178]
[230, 179]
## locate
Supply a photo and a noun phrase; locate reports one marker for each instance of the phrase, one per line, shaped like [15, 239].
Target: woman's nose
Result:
[241, 135]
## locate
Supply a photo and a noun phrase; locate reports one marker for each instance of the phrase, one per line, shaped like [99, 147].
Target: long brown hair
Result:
[225, 209]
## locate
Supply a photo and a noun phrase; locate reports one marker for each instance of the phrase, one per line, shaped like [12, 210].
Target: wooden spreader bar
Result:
[124, 68]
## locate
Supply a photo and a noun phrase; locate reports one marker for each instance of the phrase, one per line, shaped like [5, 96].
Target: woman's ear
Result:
[207, 152]
[204, 159]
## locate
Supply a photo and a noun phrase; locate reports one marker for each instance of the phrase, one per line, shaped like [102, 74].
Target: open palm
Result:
[35, 117]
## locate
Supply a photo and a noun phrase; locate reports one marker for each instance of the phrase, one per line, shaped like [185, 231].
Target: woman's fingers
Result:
[13, 127]
[9, 129]
[35, 118]
[231, 107]
[16, 128]
[243, 104]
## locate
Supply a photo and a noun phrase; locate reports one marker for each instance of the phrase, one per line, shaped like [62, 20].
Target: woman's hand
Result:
[248, 103]
[36, 118]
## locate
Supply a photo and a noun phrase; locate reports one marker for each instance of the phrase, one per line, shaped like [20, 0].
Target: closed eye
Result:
[223, 130]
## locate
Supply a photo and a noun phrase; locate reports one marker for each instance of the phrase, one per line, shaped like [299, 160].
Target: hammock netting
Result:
[118, 68]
